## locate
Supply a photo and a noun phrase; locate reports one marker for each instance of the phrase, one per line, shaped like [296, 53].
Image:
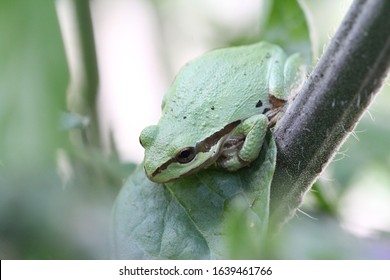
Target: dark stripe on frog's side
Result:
[210, 141]
[203, 146]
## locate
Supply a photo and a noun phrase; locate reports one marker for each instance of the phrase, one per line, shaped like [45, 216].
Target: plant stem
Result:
[337, 93]
[87, 101]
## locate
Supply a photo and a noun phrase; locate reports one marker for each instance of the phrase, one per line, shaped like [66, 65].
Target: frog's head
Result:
[169, 156]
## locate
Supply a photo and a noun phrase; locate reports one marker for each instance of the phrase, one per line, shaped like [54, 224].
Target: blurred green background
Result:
[60, 172]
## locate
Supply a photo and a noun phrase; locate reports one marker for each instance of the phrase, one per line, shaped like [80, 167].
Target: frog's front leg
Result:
[244, 145]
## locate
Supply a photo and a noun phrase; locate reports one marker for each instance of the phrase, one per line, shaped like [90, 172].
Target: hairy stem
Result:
[337, 93]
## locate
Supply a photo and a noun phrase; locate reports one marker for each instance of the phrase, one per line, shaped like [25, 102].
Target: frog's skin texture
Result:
[218, 110]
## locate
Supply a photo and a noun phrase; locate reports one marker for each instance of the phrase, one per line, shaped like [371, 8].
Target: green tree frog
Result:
[218, 110]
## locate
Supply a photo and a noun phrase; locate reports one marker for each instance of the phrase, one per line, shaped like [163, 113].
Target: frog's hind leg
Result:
[284, 83]
[295, 72]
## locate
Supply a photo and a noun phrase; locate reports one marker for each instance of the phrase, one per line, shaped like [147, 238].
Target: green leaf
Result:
[195, 217]
[287, 26]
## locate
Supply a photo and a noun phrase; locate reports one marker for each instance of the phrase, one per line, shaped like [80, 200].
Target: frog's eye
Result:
[185, 155]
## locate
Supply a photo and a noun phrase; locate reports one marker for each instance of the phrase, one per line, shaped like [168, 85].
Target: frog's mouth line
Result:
[203, 146]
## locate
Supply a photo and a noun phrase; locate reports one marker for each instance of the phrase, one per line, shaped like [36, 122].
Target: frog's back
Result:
[220, 87]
